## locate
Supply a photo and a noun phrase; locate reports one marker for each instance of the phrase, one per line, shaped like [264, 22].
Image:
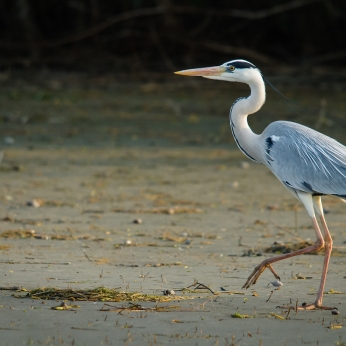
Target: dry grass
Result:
[98, 294]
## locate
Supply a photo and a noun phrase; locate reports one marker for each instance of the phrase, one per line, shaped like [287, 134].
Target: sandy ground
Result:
[205, 215]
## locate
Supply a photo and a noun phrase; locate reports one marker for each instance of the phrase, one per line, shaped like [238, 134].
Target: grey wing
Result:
[305, 160]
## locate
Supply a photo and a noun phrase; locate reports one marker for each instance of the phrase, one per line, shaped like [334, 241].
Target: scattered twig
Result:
[199, 286]
[9, 288]
[277, 316]
[139, 308]
[271, 293]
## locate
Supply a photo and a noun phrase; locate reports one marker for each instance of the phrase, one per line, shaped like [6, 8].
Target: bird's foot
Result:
[252, 279]
[313, 306]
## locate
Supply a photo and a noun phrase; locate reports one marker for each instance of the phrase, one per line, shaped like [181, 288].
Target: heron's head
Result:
[232, 71]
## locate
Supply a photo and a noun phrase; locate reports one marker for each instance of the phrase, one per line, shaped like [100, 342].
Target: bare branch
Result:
[152, 11]
[144, 12]
[240, 51]
[225, 48]
[243, 13]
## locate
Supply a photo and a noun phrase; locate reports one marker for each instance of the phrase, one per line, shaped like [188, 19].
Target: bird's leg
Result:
[267, 262]
[308, 203]
[328, 250]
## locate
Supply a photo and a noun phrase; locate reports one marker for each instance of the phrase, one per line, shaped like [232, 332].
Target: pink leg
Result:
[252, 279]
[310, 204]
[328, 251]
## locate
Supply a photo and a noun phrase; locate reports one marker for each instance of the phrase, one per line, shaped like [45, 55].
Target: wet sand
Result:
[90, 199]
[205, 216]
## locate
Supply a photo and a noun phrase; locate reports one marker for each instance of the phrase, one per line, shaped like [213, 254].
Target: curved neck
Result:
[243, 135]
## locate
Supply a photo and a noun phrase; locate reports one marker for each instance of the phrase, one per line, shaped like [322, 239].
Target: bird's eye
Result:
[232, 68]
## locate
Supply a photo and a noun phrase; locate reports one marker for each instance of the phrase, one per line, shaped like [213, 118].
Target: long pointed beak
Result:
[203, 72]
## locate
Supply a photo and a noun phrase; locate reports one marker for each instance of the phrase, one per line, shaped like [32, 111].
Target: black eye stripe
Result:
[241, 64]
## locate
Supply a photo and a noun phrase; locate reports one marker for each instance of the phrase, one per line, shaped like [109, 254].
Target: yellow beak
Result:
[206, 71]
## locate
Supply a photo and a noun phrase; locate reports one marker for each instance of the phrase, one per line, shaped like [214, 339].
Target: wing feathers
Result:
[306, 159]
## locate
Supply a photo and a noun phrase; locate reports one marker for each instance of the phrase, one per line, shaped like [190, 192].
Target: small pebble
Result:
[33, 203]
[235, 184]
[335, 311]
[244, 165]
[138, 221]
[168, 293]
[188, 241]
[277, 283]
[39, 236]
[273, 207]
[128, 242]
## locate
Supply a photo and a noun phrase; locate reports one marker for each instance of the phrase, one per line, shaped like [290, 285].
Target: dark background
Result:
[100, 72]
[137, 36]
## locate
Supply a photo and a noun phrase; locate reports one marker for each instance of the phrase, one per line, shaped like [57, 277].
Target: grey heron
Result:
[308, 163]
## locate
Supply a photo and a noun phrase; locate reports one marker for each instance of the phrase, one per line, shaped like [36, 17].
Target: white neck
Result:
[245, 138]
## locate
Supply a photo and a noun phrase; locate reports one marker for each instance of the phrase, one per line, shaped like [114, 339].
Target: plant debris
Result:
[164, 210]
[250, 253]
[30, 233]
[18, 233]
[37, 202]
[169, 237]
[128, 243]
[24, 221]
[284, 248]
[139, 308]
[97, 294]
[198, 286]
[277, 316]
[64, 306]
[331, 291]
[238, 315]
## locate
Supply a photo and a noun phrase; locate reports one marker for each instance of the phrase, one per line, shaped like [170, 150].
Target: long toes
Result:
[247, 284]
[253, 278]
[305, 306]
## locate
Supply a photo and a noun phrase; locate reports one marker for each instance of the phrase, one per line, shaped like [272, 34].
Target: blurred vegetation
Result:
[132, 36]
